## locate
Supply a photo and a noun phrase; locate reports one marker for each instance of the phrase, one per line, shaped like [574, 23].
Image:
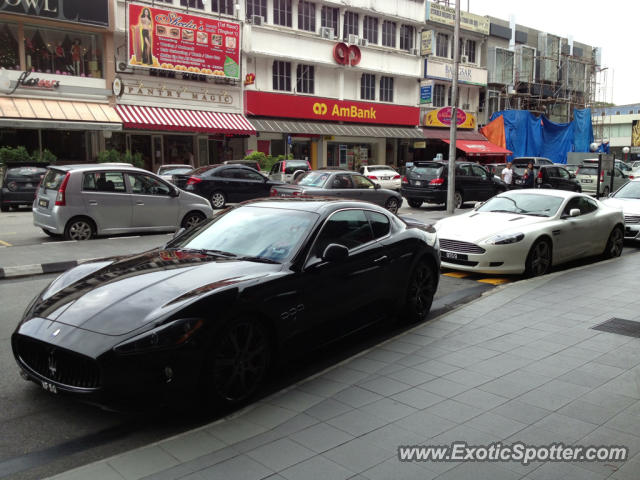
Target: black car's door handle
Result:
[381, 259]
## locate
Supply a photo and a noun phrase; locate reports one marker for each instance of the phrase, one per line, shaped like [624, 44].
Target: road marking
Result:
[118, 238]
[495, 281]
[5, 244]
[61, 241]
[457, 274]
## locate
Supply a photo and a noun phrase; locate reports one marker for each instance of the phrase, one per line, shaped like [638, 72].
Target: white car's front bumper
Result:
[496, 259]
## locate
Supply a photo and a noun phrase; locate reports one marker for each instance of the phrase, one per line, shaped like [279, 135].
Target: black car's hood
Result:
[117, 297]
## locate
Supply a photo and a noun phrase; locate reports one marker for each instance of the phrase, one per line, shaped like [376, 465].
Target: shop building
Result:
[55, 82]
[177, 85]
[619, 127]
[335, 82]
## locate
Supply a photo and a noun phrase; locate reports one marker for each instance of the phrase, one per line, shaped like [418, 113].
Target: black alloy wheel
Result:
[240, 361]
[539, 259]
[414, 202]
[192, 219]
[420, 292]
[615, 243]
[392, 205]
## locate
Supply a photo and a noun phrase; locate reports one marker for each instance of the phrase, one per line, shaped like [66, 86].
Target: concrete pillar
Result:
[294, 14]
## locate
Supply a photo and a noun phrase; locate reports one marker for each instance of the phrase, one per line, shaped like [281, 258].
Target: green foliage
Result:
[114, 156]
[46, 156]
[18, 154]
[267, 161]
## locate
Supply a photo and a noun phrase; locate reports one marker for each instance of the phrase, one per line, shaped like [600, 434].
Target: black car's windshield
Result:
[524, 203]
[253, 233]
[314, 179]
[629, 190]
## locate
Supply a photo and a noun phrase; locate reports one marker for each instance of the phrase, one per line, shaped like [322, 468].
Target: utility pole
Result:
[451, 180]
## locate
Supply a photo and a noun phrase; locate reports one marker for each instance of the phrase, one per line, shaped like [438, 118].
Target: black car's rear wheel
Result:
[218, 199]
[420, 291]
[239, 362]
[191, 219]
[392, 205]
[457, 199]
[539, 259]
[414, 202]
[615, 244]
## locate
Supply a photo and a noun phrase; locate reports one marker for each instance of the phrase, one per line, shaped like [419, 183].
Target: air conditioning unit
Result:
[327, 32]
[464, 59]
[353, 39]
[122, 67]
[363, 42]
[415, 51]
[257, 20]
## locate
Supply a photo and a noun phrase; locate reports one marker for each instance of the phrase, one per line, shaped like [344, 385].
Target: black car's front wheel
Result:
[218, 200]
[420, 291]
[239, 361]
[392, 204]
[457, 199]
[414, 202]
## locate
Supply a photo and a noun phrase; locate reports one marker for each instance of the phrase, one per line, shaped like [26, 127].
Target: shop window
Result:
[222, 6]
[177, 148]
[470, 50]
[329, 18]
[20, 137]
[192, 3]
[62, 52]
[368, 87]
[389, 34]
[282, 12]
[307, 16]
[442, 45]
[9, 51]
[66, 145]
[438, 95]
[407, 32]
[386, 89]
[257, 7]
[282, 76]
[350, 25]
[370, 29]
[305, 76]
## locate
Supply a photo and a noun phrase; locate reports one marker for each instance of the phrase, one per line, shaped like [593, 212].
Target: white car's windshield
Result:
[630, 190]
[524, 204]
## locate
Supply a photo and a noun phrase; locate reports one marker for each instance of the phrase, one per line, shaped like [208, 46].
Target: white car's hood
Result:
[628, 205]
[477, 226]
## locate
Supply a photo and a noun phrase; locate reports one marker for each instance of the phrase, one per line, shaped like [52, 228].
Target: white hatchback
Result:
[383, 175]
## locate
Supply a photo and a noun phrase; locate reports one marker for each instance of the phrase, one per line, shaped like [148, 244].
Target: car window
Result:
[629, 190]
[523, 203]
[292, 166]
[563, 173]
[203, 169]
[25, 171]
[544, 161]
[617, 173]
[426, 172]
[53, 179]
[587, 171]
[478, 171]
[348, 227]
[585, 205]
[146, 185]
[361, 169]
[340, 180]
[464, 170]
[363, 182]
[275, 168]
[175, 171]
[379, 224]
[315, 179]
[103, 182]
[252, 175]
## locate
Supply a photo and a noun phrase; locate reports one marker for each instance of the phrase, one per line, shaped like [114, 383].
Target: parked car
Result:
[627, 198]
[166, 172]
[572, 167]
[215, 308]
[248, 163]
[427, 181]
[228, 184]
[587, 175]
[180, 179]
[535, 160]
[341, 184]
[287, 170]
[383, 175]
[18, 183]
[528, 231]
[548, 176]
[495, 168]
[82, 201]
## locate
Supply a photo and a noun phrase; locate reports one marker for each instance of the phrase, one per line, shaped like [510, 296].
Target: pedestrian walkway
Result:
[520, 364]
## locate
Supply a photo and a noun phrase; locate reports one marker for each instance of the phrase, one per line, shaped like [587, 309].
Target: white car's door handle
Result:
[93, 202]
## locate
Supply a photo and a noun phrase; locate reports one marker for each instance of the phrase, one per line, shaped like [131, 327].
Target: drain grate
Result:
[620, 326]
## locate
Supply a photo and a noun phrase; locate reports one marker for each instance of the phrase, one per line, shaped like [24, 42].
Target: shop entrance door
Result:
[141, 144]
[158, 152]
[203, 151]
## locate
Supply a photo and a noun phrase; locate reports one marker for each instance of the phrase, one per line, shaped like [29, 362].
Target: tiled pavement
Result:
[520, 364]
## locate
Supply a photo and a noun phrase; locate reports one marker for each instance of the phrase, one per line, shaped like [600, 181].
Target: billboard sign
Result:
[447, 16]
[184, 43]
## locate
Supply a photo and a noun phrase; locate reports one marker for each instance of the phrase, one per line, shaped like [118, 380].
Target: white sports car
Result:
[528, 231]
[627, 198]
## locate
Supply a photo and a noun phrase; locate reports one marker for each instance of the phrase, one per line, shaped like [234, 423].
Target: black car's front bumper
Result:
[426, 194]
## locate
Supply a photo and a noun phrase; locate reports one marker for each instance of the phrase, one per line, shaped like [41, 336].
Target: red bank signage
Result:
[345, 54]
[169, 40]
[269, 104]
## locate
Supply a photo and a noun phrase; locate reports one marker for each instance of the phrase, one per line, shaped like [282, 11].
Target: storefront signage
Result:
[426, 92]
[168, 40]
[25, 80]
[184, 93]
[89, 12]
[345, 54]
[250, 79]
[419, 144]
[314, 108]
[442, 118]
[468, 75]
[438, 13]
[427, 41]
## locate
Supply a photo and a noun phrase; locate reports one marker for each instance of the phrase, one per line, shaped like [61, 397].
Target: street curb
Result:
[40, 268]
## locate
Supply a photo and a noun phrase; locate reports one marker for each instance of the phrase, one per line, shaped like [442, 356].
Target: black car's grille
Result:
[58, 365]
[632, 219]
[460, 247]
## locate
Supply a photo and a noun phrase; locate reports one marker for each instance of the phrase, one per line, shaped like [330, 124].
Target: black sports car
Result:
[222, 301]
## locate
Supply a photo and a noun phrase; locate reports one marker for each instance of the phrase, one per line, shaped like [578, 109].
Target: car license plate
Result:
[418, 183]
[28, 185]
[49, 387]
[43, 202]
[586, 180]
[453, 256]
[384, 178]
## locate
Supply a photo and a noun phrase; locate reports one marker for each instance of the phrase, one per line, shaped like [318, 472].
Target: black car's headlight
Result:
[506, 239]
[169, 335]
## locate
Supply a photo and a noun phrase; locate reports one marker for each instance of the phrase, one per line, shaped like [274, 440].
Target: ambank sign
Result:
[267, 104]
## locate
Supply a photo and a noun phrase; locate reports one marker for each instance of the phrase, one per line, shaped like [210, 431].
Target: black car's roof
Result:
[318, 205]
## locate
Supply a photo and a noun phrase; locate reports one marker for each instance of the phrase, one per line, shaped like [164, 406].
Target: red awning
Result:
[479, 148]
[200, 121]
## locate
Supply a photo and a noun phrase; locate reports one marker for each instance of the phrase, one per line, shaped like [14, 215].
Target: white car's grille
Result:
[460, 247]
[632, 219]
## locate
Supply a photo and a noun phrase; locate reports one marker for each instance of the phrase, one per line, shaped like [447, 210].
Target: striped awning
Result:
[200, 121]
[333, 129]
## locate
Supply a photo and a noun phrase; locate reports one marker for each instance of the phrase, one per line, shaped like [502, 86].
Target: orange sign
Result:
[250, 79]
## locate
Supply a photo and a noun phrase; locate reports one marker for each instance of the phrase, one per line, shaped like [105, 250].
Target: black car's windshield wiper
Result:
[536, 213]
[257, 259]
[207, 251]
[504, 211]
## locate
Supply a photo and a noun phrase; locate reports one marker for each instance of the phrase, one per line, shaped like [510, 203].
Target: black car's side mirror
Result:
[335, 252]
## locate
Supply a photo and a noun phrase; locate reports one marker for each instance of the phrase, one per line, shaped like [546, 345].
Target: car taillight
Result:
[396, 177]
[540, 174]
[372, 177]
[284, 167]
[273, 192]
[437, 181]
[602, 176]
[405, 180]
[308, 165]
[631, 177]
[60, 197]
[193, 180]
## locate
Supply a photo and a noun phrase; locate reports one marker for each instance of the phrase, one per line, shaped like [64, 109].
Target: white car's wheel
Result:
[539, 258]
[615, 244]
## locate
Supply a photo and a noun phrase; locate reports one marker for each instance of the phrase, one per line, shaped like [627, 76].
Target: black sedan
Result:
[216, 306]
[221, 184]
[342, 184]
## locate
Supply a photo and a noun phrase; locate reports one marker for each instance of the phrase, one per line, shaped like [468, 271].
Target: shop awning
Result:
[57, 114]
[333, 129]
[443, 134]
[200, 121]
[480, 148]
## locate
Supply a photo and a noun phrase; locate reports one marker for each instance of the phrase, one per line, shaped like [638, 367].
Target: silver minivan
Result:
[82, 201]
[587, 175]
[288, 170]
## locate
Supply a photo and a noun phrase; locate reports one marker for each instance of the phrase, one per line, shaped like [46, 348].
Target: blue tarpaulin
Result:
[530, 136]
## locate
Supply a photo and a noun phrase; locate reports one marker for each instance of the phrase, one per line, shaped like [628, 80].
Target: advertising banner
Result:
[179, 42]
[314, 108]
[447, 16]
[442, 118]
[426, 92]
[635, 133]
[427, 42]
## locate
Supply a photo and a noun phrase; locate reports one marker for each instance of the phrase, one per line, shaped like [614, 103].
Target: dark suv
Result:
[18, 182]
[427, 182]
[547, 176]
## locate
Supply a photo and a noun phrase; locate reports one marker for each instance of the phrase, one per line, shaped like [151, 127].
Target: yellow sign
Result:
[442, 118]
[419, 144]
[427, 41]
[446, 15]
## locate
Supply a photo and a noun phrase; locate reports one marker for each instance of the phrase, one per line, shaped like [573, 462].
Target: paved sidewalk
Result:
[519, 364]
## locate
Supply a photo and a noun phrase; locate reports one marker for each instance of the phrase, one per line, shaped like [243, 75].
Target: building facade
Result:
[620, 127]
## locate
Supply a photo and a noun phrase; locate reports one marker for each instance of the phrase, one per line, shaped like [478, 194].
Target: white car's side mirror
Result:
[574, 212]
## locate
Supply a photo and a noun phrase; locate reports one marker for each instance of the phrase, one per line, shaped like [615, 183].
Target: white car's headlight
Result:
[506, 239]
